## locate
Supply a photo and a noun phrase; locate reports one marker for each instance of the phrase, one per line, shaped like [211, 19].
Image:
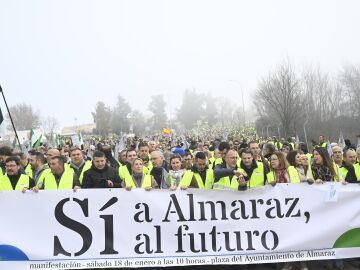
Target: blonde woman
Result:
[138, 179]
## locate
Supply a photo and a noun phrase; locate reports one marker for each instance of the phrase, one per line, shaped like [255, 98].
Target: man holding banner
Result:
[59, 178]
[14, 179]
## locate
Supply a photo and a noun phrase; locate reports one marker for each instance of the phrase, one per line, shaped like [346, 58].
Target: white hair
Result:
[161, 154]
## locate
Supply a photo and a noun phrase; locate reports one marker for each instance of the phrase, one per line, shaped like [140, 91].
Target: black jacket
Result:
[95, 178]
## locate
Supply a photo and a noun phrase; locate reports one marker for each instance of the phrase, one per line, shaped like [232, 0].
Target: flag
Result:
[37, 143]
[31, 136]
[1, 117]
[81, 141]
[24, 149]
[57, 140]
[297, 140]
[329, 149]
[166, 131]
[341, 140]
[15, 146]
[119, 146]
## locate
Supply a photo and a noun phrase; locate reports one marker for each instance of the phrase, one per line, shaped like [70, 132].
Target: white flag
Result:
[341, 140]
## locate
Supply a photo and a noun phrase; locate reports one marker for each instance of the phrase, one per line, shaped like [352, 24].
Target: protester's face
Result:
[52, 153]
[99, 162]
[56, 167]
[157, 160]
[231, 159]
[122, 156]
[152, 146]
[200, 164]
[12, 168]
[247, 159]
[298, 148]
[285, 149]
[138, 167]
[223, 153]
[321, 139]
[304, 160]
[275, 163]
[350, 157]
[130, 156]
[217, 154]
[34, 162]
[76, 156]
[143, 152]
[298, 159]
[175, 164]
[317, 158]
[337, 154]
[188, 161]
[24, 162]
[231, 144]
[255, 149]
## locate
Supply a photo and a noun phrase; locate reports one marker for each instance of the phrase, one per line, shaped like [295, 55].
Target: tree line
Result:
[291, 102]
[196, 109]
[288, 102]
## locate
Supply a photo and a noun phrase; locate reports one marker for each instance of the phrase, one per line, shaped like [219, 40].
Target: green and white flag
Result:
[31, 137]
[37, 143]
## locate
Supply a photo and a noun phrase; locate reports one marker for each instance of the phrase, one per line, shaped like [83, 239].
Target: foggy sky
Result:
[64, 56]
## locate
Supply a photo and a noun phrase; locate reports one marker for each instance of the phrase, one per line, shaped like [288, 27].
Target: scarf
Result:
[281, 176]
[176, 175]
[322, 172]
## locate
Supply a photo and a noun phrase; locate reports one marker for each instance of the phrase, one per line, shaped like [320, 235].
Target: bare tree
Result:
[225, 110]
[350, 79]
[315, 102]
[50, 124]
[279, 97]
[24, 117]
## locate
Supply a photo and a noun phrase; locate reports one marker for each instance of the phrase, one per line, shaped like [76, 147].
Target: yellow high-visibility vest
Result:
[66, 181]
[86, 167]
[23, 182]
[344, 171]
[293, 175]
[188, 176]
[146, 181]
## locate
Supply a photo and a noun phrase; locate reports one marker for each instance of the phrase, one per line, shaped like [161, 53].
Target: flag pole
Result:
[12, 123]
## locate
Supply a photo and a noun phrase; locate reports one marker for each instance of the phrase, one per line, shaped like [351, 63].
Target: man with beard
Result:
[13, 179]
[101, 175]
[5, 152]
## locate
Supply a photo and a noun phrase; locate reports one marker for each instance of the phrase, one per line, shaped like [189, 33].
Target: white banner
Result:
[118, 228]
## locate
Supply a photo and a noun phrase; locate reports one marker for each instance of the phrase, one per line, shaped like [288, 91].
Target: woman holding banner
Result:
[323, 167]
[138, 179]
[175, 170]
[280, 171]
[295, 159]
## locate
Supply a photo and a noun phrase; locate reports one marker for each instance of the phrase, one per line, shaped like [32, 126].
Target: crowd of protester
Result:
[223, 159]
